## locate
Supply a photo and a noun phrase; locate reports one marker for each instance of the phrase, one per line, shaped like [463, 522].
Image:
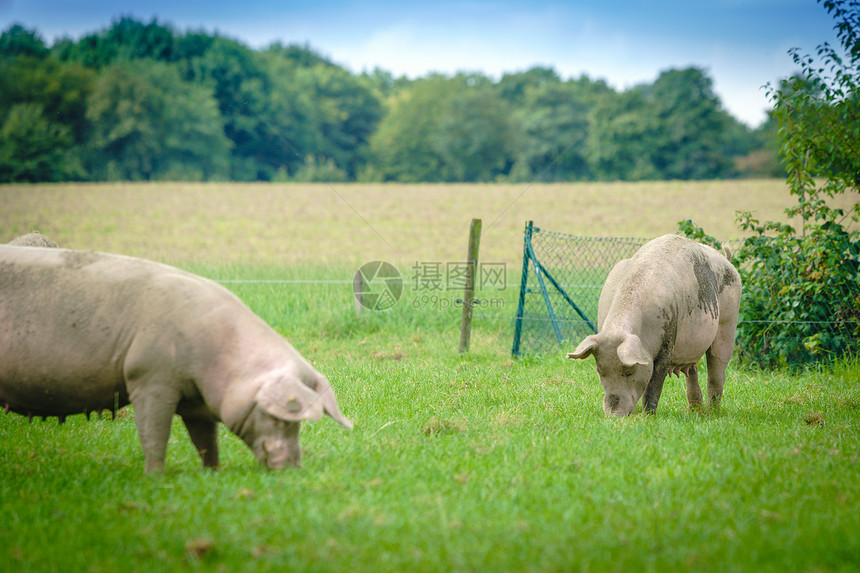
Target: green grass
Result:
[474, 462]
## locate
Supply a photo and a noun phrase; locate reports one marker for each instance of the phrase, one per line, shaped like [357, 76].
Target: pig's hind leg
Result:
[720, 352]
[718, 356]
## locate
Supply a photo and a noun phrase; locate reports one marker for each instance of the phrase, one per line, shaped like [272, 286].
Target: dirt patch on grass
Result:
[441, 426]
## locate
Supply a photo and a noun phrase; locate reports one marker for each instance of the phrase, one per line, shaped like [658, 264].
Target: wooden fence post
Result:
[471, 275]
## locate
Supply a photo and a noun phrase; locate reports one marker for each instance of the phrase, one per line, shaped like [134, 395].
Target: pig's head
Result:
[271, 428]
[623, 366]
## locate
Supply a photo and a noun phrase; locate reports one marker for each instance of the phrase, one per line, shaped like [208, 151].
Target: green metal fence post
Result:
[518, 324]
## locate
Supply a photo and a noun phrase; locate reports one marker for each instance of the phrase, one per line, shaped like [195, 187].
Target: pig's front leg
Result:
[655, 386]
[154, 407]
[204, 435]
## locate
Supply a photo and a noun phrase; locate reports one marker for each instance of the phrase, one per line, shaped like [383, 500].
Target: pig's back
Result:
[67, 319]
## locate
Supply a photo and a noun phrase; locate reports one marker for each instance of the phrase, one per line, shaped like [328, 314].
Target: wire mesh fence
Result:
[561, 282]
[551, 303]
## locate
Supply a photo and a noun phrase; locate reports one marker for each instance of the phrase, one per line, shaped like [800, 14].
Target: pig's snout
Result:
[277, 453]
[618, 404]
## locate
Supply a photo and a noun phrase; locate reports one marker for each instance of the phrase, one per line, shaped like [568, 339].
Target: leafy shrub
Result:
[801, 292]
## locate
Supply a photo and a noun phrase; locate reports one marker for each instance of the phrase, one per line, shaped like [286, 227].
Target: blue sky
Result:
[742, 44]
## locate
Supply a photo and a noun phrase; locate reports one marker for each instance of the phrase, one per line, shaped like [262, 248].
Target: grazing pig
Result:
[659, 312]
[83, 331]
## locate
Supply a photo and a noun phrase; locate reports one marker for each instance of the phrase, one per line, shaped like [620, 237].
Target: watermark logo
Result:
[377, 285]
[433, 281]
[438, 276]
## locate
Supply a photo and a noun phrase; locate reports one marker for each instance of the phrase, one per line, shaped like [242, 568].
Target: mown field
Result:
[457, 463]
[325, 224]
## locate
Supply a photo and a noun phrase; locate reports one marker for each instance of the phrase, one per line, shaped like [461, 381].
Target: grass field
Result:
[457, 463]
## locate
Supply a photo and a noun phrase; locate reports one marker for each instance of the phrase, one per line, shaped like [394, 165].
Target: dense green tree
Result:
[474, 137]
[240, 83]
[33, 148]
[384, 83]
[445, 129]
[346, 113]
[402, 147]
[126, 39]
[692, 128]
[290, 119]
[818, 111]
[60, 89]
[42, 111]
[192, 45]
[554, 119]
[674, 128]
[314, 117]
[300, 56]
[621, 138]
[280, 107]
[759, 156]
[147, 123]
[19, 41]
[513, 87]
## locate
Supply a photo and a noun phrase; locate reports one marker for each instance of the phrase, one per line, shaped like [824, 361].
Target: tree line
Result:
[143, 101]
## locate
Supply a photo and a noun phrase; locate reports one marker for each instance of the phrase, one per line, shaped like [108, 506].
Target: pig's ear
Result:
[631, 352]
[285, 397]
[585, 348]
[329, 402]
